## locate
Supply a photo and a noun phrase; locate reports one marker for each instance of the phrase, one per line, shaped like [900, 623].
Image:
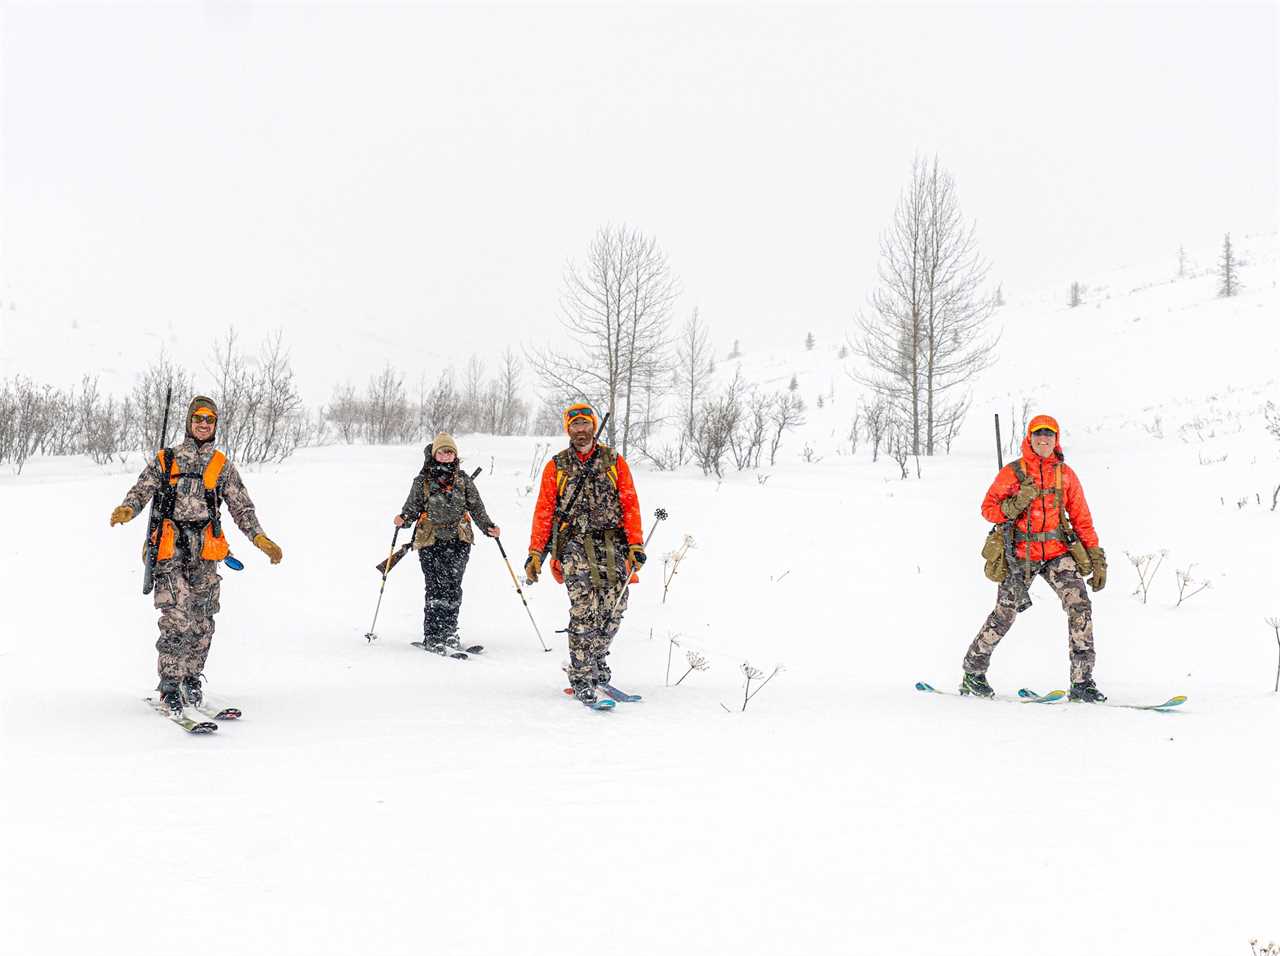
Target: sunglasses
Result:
[204, 419]
[1043, 432]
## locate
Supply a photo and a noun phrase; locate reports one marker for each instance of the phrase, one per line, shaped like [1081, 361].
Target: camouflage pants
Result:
[1067, 583]
[443, 565]
[589, 634]
[186, 595]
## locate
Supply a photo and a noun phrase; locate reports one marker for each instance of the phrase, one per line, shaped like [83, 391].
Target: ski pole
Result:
[371, 636]
[519, 591]
[658, 517]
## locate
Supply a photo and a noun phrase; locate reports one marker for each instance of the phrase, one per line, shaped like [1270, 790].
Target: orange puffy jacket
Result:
[1042, 517]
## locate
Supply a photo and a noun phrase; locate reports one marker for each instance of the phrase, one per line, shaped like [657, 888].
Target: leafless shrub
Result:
[1143, 564]
[696, 663]
[717, 422]
[747, 440]
[671, 564]
[1186, 585]
[879, 415]
[754, 674]
[786, 415]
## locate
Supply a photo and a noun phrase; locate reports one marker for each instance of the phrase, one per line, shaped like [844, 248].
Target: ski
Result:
[215, 709]
[1163, 708]
[1029, 698]
[182, 720]
[619, 694]
[592, 704]
[442, 652]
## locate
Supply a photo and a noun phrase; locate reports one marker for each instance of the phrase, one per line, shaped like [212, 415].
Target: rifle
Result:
[1016, 582]
[161, 502]
[560, 520]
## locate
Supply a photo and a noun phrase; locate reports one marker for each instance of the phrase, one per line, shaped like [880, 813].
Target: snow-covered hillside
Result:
[374, 799]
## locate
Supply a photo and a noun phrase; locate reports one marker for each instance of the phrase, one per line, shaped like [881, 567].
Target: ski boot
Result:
[602, 673]
[171, 695]
[584, 691]
[977, 685]
[435, 644]
[1087, 692]
[192, 693]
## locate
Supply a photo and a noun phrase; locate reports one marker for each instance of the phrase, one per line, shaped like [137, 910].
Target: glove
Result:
[121, 515]
[1028, 492]
[533, 566]
[269, 548]
[638, 557]
[1099, 579]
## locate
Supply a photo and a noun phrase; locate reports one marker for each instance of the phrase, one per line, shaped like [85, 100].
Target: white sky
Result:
[408, 183]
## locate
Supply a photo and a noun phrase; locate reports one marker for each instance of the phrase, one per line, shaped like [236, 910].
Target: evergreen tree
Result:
[1228, 270]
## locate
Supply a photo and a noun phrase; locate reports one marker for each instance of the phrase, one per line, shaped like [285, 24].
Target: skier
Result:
[442, 501]
[1035, 492]
[596, 547]
[186, 582]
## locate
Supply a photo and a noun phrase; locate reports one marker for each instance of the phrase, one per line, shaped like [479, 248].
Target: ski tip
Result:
[204, 728]
[928, 688]
[1027, 692]
[229, 713]
[569, 691]
[603, 705]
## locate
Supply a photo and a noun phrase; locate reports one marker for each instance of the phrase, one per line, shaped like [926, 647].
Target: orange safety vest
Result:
[214, 547]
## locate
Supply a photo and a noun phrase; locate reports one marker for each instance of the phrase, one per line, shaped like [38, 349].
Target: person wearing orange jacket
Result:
[596, 548]
[187, 584]
[1053, 536]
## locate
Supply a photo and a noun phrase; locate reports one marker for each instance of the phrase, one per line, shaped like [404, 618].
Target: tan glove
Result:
[1099, 559]
[533, 566]
[1028, 491]
[269, 548]
[638, 557]
[121, 515]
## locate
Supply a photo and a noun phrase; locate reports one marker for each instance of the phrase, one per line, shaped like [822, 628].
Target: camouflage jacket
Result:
[444, 506]
[189, 502]
[608, 498]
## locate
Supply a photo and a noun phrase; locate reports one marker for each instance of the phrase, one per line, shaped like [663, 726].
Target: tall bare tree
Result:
[926, 334]
[693, 372]
[615, 308]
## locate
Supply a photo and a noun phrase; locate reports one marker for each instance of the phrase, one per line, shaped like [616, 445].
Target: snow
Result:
[378, 800]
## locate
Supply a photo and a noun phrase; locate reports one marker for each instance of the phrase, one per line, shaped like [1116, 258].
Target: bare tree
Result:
[693, 372]
[718, 420]
[148, 401]
[747, 440]
[878, 419]
[786, 415]
[513, 410]
[1228, 269]
[387, 415]
[615, 309]
[926, 336]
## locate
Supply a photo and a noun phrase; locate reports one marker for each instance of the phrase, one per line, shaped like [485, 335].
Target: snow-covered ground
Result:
[376, 800]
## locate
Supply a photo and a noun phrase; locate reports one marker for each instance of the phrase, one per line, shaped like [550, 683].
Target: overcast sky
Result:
[408, 184]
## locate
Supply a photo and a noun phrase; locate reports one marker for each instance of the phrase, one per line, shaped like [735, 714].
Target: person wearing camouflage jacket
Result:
[597, 548]
[187, 585]
[442, 502]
